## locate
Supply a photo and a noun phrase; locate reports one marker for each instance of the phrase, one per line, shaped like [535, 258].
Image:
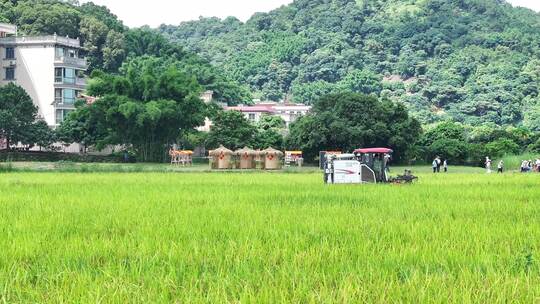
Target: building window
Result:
[10, 53]
[69, 96]
[59, 52]
[58, 75]
[69, 76]
[64, 75]
[10, 74]
[58, 96]
[61, 115]
[251, 116]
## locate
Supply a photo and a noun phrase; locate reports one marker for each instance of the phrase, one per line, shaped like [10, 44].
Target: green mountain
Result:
[473, 61]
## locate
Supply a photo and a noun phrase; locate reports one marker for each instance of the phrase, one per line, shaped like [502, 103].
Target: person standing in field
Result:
[538, 165]
[445, 166]
[488, 165]
[434, 165]
[500, 167]
[526, 166]
[439, 163]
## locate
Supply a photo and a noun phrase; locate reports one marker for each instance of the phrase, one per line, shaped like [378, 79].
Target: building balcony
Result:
[61, 103]
[79, 63]
[72, 83]
[41, 40]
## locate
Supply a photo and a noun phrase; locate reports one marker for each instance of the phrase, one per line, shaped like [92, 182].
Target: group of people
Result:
[488, 163]
[530, 166]
[438, 163]
[526, 166]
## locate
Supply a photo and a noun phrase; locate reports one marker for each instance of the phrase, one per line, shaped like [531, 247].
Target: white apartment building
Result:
[289, 112]
[50, 69]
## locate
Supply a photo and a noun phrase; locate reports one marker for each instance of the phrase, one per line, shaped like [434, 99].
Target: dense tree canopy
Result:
[146, 107]
[473, 61]
[19, 118]
[461, 144]
[347, 121]
[233, 130]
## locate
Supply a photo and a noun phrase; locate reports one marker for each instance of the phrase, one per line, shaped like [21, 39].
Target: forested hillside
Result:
[110, 44]
[474, 61]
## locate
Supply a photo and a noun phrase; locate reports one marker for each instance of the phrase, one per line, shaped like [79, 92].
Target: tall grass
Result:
[267, 238]
[513, 162]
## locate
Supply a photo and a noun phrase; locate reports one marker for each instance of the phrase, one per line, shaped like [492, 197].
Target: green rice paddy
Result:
[200, 237]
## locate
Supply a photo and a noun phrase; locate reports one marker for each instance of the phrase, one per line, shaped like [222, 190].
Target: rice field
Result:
[201, 237]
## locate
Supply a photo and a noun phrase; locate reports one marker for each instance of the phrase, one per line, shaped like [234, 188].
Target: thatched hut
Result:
[245, 158]
[272, 158]
[221, 158]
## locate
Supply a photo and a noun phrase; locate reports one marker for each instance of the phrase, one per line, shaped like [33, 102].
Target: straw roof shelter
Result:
[246, 158]
[272, 158]
[221, 158]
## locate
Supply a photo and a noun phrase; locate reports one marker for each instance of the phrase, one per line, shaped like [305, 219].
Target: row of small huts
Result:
[246, 158]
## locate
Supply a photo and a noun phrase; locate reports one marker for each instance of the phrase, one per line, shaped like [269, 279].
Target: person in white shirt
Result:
[445, 165]
[500, 167]
[488, 165]
[524, 166]
[538, 165]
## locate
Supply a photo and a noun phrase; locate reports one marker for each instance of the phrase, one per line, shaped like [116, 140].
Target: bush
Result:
[454, 150]
[502, 147]
[535, 147]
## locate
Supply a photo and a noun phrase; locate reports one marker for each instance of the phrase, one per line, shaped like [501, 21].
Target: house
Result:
[254, 112]
[289, 112]
[50, 69]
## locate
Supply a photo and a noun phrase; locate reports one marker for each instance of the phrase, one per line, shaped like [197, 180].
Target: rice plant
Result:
[264, 238]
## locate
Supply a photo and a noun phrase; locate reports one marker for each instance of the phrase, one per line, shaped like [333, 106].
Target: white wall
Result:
[35, 73]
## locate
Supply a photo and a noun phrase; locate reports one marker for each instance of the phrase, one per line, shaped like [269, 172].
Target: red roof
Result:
[374, 150]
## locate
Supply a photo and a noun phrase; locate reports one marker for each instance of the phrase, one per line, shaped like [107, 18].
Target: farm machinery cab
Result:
[362, 166]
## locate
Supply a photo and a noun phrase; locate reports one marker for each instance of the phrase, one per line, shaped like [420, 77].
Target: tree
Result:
[114, 51]
[502, 147]
[471, 60]
[268, 122]
[94, 34]
[270, 130]
[348, 121]
[86, 126]
[17, 113]
[360, 81]
[146, 107]
[232, 130]
[447, 140]
[37, 133]
[535, 147]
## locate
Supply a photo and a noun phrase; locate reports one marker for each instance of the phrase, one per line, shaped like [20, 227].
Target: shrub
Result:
[502, 147]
